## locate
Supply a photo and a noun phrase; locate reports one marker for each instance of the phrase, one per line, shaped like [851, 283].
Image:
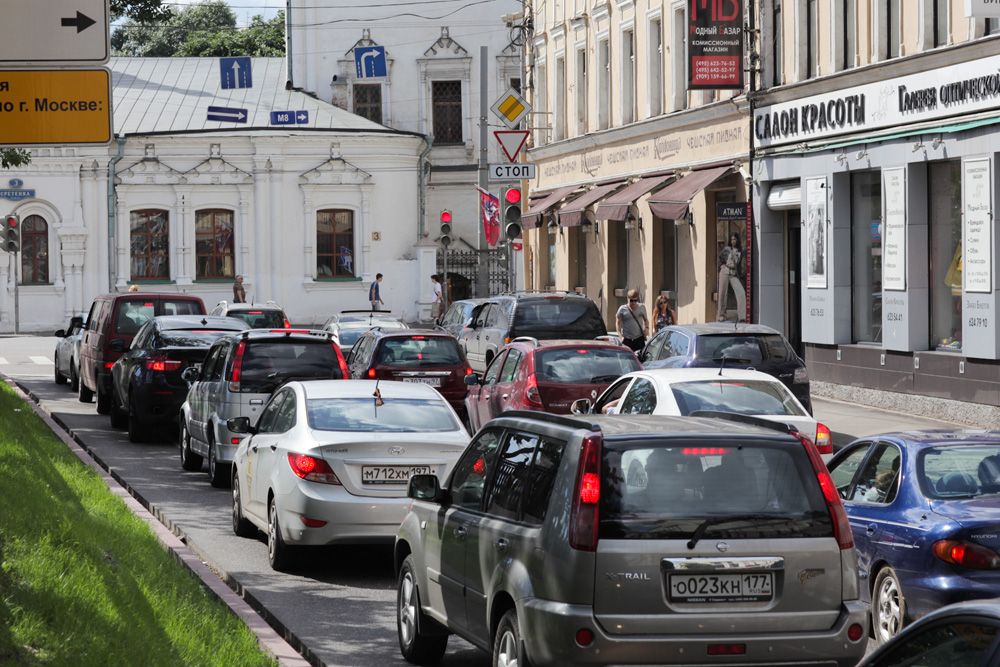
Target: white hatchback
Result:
[329, 461]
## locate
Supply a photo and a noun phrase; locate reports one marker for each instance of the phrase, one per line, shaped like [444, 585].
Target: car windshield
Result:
[571, 317]
[742, 348]
[743, 397]
[260, 319]
[270, 363]
[192, 337]
[419, 351]
[395, 415]
[960, 471]
[584, 365]
[666, 490]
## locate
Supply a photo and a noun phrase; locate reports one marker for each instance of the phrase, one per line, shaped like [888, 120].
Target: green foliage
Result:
[13, 157]
[138, 10]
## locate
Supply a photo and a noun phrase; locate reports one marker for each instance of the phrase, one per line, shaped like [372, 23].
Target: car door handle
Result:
[274, 448]
[254, 448]
[502, 544]
[871, 529]
[460, 532]
[505, 396]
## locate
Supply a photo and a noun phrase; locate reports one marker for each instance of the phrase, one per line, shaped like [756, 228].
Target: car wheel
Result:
[136, 427]
[119, 418]
[218, 473]
[888, 606]
[508, 649]
[279, 554]
[74, 377]
[59, 377]
[85, 395]
[417, 645]
[189, 460]
[241, 526]
[103, 402]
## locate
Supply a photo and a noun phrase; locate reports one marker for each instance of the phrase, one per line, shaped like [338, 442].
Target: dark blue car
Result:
[924, 509]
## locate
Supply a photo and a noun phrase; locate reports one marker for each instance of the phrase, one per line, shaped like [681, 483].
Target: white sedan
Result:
[681, 391]
[329, 461]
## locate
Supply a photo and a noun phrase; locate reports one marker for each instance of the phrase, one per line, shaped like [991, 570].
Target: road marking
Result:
[41, 361]
[3, 361]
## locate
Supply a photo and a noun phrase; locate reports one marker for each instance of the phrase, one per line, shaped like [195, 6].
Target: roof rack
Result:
[562, 420]
[526, 339]
[745, 419]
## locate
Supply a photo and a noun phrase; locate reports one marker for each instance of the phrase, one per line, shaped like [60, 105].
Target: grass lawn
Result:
[82, 581]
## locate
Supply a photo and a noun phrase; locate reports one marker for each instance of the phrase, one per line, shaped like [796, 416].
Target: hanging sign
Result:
[715, 44]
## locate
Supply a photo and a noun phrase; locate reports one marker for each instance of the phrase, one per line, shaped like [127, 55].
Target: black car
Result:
[146, 380]
[753, 346]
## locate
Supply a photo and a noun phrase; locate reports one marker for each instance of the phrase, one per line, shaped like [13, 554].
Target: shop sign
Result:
[937, 93]
[816, 234]
[987, 8]
[977, 234]
[894, 234]
[730, 211]
[715, 44]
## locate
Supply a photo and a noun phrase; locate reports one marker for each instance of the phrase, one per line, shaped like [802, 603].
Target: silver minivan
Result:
[238, 376]
[615, 540]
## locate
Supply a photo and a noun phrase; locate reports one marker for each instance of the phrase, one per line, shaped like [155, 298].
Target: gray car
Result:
[617, 540]
[236, 379]
[67, 356]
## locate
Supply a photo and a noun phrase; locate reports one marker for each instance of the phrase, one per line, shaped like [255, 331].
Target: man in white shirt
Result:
[437, 304]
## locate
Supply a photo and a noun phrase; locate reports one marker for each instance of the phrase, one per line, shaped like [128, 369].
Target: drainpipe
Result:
[288, 41]
[113, 212]
[422, 167]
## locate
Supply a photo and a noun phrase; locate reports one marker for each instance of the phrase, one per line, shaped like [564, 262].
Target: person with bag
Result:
[632, 322]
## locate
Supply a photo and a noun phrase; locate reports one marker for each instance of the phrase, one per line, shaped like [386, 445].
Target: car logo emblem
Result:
[397, 451]
[722, 546]
[593, 393]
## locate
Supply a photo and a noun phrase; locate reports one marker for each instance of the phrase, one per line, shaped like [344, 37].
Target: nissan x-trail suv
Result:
[614, 540]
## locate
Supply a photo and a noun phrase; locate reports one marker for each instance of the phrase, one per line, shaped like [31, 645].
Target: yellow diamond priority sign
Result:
[60, 107]
[511, 108]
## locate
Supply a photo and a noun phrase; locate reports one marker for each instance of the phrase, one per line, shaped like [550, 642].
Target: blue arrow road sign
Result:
[235, 73]
[228, 115]
[369, 61]
[300, 117]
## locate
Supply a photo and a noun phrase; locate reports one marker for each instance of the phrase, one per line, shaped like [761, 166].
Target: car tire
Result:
[418, 646]
[279, 555]
[241, 526]
[74, 377]
[190, 461]
[85, 395]
[103, 401]
[508, 648]
[119, 418]
[59, 377]
[218, 473]
[136, 426]
[888, 606]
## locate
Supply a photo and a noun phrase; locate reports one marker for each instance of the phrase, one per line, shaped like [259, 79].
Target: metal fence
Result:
[463, 271]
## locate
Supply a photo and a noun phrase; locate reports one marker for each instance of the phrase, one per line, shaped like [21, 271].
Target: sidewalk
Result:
[848, 421]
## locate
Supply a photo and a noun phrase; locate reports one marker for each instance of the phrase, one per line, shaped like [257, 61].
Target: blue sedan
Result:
[924, 509]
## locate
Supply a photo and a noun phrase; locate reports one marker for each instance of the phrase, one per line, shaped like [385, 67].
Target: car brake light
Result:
[312, 523]
[344, 373]
[109, 364]
[704, 451]
[235, 441]
[966, 554]
[148, 304]
[531, 394]
[418, 337]
[468, 371]
[507, 340]
[582, 351]
[288, 325]
[162, 364]
[255, 312]
[824, 442]
[586, 501]
[234, 376]
[838, 515]
[372, 373]
[312, 469]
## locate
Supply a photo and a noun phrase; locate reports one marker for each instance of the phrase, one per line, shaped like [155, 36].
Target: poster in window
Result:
[977, 234]
[816, 234]
[894, 232]
[715, 44]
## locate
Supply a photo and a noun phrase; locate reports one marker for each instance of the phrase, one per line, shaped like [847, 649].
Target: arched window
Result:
[34, 251]
[335, 243]
[150, 245]
[214, 246]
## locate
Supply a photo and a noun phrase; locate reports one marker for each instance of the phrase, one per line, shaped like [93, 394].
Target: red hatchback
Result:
[545, 375]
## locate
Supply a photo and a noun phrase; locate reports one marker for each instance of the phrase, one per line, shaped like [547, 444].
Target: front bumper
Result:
[549, 628]
[349, 519]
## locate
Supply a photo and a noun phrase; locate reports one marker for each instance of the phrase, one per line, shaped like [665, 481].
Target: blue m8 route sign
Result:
[39, 107]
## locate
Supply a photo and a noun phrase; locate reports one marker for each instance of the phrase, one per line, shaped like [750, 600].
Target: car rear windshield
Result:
[960, 471]
[269, 363]
[665, 489]
[132, 314]
[744, 397]
[419, 351]
[191, 337]
[743, 348]
[351, 331]
[584, 365]
[565, 317]
[394, 415]
[260, 319]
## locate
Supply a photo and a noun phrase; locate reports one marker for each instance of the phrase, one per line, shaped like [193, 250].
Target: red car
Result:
[546, 375]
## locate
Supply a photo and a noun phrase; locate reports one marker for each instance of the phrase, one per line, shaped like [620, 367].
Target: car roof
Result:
[671, 375]
[366, 388]
[253, 306]
[714, 328]
[566, 343]
[624, 426]
[407, 333]
[940, 436]
[168, 322]
[138, 296]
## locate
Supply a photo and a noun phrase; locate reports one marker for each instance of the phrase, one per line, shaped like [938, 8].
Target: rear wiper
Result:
[730, 360]
[699, 532]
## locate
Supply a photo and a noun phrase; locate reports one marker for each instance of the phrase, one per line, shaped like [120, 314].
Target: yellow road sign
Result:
[511, 108]
[60, 107]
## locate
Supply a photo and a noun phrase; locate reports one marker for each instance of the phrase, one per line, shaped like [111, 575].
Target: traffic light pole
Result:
[483, 281]
[12, 272]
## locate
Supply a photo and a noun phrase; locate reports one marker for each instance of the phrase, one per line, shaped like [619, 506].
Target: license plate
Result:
[758, 587]
[434, 382]
[391, 474]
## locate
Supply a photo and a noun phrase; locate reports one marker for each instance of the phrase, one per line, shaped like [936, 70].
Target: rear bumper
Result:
[349, 519]
[155, 402]
[549, 628]
[924, 594]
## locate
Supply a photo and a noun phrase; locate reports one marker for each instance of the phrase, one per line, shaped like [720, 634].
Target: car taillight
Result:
[531, 394]
[288, 325]
[801, 375]
[162, 364]
[468, 371]
[704, 451]
[344, 373]
[312, 469]
[372, 373]
[234, 376]
[109, 364]
[966, 554]
[583, 520]
[841, 526]
[824, 441]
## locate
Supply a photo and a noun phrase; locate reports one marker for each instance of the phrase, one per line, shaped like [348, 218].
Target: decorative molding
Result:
[445, 46]
[335, 171]
[148, 171]
[217, 171]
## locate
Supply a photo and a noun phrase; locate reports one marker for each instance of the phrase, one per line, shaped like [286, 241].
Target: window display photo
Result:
[816, 233]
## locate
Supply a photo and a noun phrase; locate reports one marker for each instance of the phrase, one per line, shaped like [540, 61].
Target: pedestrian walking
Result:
[239, 293]
[729, 271]
[663, 314]
[632, 322]
[437, 304]
[374, 292]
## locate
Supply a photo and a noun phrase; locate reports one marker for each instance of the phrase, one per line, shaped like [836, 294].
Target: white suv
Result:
[268, 315]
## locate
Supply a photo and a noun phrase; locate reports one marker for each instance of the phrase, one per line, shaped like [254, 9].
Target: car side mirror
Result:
[581, 406]
[240, 425]
[425, 487]
[118, 345]
[190, 374]
[61, 333]
[472, 379]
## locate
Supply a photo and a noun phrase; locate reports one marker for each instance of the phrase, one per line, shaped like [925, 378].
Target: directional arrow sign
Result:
[71, 32]
[227, 114]
[369, 62]
[511, 142]
[235, 73]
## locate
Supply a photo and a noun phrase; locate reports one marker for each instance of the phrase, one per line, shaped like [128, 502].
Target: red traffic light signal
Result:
[445, 217]
[12, 221]
[513, 196]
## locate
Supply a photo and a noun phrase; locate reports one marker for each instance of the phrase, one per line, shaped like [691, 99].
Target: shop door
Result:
[793, 291]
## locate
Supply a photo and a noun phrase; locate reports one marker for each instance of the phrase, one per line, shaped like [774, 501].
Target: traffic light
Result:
[512, 212]
[12, 234]
[445, 228]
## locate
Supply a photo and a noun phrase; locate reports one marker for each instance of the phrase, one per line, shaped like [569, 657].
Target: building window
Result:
[542, 104]
[446, 99]
[34, 251]
[866, 247]
[150, 244]
[581, 91]
[944, 208]
[850, 29]
[992, 26]
[368, 101]
[515, 83]
[628, 77]
[335, 243]
[941, 15]
[214, 246]
[892, 28]
[776, 51]
[560, 110]
[678, 69]
[655, 68]
[603, 83]
[812, 39]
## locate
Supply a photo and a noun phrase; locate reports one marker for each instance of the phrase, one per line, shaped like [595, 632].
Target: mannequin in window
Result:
[729, 272]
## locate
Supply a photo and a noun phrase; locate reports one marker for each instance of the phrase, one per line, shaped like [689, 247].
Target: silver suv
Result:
[612, 540]
[237, 378]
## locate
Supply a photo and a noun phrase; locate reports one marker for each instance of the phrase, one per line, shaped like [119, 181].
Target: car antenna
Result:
[377, 395]
[723, 364]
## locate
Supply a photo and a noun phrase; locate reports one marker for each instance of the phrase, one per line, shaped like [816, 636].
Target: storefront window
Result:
[550, 279]
[944, 207]
[866, 256]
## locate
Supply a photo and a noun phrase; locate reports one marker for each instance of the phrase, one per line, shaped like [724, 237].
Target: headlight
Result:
[801, 375]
